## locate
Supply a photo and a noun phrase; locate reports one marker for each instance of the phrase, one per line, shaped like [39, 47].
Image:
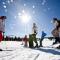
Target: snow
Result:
[19, 52]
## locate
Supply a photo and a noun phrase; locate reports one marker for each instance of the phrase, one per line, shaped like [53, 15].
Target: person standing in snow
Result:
[56, 31]
[34, 33]
[42, 37]
[2, 27]
[25, 39]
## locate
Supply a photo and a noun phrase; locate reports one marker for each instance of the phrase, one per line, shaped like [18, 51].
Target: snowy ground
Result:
[19, 52]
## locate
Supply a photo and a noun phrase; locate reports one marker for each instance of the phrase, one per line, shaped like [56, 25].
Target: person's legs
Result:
[58, 47]
[41, 42]
[31, 41]
[56, 40]
[59, 40]
[59, 34]
[35, 40]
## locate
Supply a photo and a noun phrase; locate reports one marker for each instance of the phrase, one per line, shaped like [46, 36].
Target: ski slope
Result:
[19, 52]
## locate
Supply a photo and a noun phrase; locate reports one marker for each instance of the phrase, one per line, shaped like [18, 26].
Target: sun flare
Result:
[25, 18]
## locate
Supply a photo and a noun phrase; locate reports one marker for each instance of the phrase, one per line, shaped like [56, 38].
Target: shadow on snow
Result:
[52, 51]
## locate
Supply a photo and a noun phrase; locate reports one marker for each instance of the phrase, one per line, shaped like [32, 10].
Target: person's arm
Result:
[59, 31]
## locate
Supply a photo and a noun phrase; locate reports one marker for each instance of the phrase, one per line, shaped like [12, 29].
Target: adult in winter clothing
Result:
[56, 31]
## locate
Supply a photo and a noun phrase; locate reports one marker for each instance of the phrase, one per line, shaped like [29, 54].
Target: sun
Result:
[25, 18]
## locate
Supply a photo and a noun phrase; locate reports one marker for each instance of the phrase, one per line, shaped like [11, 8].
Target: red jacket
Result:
[1, 36]
[25, 39]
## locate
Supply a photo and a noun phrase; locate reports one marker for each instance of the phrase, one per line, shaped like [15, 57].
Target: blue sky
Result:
[41, 12]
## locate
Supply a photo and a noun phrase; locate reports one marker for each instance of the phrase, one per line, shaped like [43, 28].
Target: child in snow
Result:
[25, 41]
